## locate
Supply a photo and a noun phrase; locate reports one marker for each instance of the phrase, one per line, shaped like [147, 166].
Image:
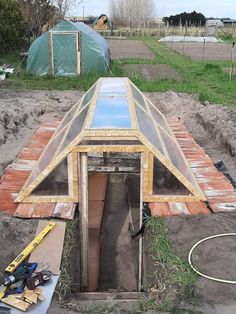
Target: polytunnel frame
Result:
[148, 150]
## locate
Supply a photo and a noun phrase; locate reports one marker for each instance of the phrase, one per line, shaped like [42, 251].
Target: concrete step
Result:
[114, 295]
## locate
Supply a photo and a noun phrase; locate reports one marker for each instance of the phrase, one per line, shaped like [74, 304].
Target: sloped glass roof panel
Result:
[47, 156]
[148, 129]
[113, 88]
[159, 118]
[139, 98]
[75, 109]
[177, 158]
[111, 113]
[74, 129]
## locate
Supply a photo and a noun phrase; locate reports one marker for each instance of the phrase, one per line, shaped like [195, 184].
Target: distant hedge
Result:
[186, 19]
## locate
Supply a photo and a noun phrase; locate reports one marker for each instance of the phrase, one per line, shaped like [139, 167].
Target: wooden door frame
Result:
[51, 53]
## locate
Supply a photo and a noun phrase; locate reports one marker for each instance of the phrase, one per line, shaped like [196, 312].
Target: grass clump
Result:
[173, 277]
[64, 284]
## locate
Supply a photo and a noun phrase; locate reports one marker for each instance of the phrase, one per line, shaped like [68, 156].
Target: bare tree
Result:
[36, 14]
[64, 6]
[132, 13]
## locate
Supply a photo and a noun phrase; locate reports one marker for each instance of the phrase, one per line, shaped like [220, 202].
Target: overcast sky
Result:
[210, 8]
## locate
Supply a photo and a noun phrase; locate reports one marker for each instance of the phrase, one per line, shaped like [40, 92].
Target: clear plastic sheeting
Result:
[165, 183]
[148, 129]
[65, 54]
[56, 183]
[196, 39]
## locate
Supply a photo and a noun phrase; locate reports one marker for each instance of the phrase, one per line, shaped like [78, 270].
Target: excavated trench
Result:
[119, 253]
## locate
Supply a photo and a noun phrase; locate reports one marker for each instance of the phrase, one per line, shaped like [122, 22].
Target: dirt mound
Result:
[212, 126]
[22, 111]
[220, 122]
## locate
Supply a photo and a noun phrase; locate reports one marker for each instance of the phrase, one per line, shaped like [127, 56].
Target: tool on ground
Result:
[5, 310]
[26, 252]
[22, 273]
[38, 278]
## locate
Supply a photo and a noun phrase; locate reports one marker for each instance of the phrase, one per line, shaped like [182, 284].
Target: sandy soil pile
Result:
[21, 112]
[212, 126]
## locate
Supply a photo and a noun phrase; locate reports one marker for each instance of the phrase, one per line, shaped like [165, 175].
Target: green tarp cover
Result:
[94, 51]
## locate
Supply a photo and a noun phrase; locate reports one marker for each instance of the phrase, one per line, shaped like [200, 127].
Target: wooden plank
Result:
[93, 259]
[84, 218]
[50, 249]
[97, 187]
[95, 212]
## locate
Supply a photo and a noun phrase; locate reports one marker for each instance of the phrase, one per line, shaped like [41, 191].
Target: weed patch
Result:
[173, 277]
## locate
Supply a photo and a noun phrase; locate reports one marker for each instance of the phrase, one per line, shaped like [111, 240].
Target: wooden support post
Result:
[51, 58]
[140, 260]
[105, 158]
[84, 218]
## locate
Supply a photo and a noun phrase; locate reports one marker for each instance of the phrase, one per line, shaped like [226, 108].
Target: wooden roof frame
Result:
[146, 147]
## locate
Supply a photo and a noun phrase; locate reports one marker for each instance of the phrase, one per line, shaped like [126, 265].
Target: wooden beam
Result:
[51, 56]
[140, 262]
[110, 148]
[170, 198]
[84, 217]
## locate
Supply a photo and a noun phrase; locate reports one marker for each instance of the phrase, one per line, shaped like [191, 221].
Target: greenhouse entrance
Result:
[112, 217]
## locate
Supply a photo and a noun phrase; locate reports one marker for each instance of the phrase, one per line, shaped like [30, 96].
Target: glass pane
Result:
[47, 156]
[74, 129]
[159, 118]
[148, 129]
[177, 158]
[56, 183]
[113, 87]
[111, 113]
[71, 114]
[139, 97]
[88, 96]
[165, 183]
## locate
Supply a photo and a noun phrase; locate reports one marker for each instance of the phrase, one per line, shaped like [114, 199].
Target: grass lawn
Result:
[207, 79]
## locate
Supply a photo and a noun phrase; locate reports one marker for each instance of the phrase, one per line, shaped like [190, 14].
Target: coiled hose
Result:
[200, 273]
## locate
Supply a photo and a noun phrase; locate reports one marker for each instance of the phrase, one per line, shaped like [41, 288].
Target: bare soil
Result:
[215, 258]
[196, 51]
[116, 242]
[212, 126]
[126, 49]
[21, 112]
[151, 71]
[214, 129]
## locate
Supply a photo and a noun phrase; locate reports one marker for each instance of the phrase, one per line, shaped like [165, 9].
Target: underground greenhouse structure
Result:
[111, 157]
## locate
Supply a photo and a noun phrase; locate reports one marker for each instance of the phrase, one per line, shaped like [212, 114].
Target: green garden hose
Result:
[197, 271]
